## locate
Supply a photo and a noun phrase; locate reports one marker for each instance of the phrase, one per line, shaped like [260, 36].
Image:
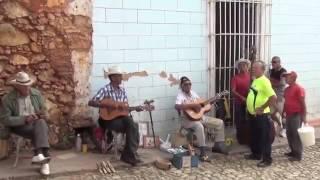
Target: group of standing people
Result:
[261, 98]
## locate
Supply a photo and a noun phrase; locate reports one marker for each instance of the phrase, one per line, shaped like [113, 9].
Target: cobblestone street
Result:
[224, 167]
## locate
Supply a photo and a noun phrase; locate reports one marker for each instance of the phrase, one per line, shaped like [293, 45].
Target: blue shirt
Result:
[108, 91]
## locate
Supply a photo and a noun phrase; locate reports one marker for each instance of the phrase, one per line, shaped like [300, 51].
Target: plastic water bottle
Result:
[103, 146]
[78, 143]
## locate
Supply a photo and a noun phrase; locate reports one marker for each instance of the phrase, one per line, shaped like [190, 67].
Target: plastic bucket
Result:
[307, 136]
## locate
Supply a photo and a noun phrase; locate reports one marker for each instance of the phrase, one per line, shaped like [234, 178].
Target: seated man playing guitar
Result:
[112, 99]
[188, 100]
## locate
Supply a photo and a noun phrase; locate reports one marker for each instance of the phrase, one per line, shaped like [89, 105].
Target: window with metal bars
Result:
[237, 29]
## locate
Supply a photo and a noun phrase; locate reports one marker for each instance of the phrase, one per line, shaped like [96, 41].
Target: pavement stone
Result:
[232, 167]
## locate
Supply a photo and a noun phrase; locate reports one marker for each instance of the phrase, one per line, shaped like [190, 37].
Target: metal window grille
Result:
[237, 29]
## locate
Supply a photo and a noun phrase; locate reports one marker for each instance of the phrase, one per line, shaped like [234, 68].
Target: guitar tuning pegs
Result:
[148, 101]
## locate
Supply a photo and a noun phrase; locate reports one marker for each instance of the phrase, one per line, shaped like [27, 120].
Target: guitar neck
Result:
[210, 100]
[132, 108]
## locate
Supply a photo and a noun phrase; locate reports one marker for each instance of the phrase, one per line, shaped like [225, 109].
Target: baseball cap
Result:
[290, 73]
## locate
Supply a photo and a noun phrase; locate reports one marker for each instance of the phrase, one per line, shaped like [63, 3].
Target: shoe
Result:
[139, 161]
[220, 148]
[292, 159]
[251, 157]
[40, 159]
[289, 154]
[283, 133]
[132, 162]
[204, 158]
[264, 164]
[45, 169]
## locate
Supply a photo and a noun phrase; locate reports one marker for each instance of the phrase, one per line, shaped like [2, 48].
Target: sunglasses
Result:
[273, 62]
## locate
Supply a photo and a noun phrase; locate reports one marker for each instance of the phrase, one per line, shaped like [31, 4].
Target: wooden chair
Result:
[117, 142]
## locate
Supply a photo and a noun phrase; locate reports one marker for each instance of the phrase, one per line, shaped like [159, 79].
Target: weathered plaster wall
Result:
[52, 40]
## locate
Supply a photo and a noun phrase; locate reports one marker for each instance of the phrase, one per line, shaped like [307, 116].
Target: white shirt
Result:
[25, 106]
[183, 98]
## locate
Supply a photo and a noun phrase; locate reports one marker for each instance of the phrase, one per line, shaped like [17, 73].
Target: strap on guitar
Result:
[255, 92]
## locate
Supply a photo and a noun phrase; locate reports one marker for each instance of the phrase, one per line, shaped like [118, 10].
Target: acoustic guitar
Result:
[121, 108]
[206, 106]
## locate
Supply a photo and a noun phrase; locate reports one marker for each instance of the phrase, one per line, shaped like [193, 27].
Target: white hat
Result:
[113, 70]
[242, 60]
[23, 79]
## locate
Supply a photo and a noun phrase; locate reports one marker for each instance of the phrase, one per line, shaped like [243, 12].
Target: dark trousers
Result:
[260, 145]
[293, 124]
[242, 124]
[124, 124]
[37, 132]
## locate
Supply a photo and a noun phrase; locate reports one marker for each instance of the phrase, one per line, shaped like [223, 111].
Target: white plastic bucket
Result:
[307, 136]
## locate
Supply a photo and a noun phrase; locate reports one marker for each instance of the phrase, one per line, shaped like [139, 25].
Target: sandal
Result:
[205, 158]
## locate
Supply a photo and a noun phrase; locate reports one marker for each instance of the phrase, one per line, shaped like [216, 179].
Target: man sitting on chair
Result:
[123, 124]
[23, 111]
[183, 102]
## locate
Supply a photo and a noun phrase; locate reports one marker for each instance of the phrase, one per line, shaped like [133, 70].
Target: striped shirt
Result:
[108, 91]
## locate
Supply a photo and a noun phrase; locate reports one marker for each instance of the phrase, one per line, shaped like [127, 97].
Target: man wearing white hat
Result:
[23, 111]
[116, 93]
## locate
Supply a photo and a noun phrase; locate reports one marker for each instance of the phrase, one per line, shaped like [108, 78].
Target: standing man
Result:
[295, 114]
[23, 111]
[261, 96]
[124, 124]
[240, 84]
[278, 84]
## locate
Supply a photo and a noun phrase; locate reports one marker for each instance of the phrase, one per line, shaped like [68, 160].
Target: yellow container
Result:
[4, 148]
[84, 148]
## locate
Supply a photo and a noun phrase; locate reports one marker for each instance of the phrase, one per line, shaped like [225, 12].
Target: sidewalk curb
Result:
[116, 166]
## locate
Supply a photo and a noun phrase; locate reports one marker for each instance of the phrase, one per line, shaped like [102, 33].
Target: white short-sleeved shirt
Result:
[184, 98]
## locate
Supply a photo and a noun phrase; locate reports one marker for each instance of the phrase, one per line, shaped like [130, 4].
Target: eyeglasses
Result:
[186, 84]
[273, 62]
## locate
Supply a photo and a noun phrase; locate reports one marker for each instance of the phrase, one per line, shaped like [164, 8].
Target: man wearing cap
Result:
[125, 124]
[261, 96]
[295, 114]
[186, 99]
[23, 111]
[240, 84]
[278, 84]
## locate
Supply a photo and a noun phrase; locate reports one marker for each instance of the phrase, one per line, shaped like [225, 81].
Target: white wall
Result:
[152, 35]
[296, 39]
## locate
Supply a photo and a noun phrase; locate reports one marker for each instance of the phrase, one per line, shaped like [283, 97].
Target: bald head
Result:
[258, 68]
[276, 58]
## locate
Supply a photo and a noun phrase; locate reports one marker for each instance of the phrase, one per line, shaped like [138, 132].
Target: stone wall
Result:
[52, 40]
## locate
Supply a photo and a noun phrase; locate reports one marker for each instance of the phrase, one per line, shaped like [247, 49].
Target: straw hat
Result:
[290, 73]
[23, 79]
[113, 70]
[242, 60]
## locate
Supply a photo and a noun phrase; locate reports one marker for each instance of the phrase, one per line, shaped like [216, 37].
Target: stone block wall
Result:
[51, 40]
[161, 37]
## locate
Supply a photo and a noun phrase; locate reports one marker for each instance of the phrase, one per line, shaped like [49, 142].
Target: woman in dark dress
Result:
[240, 85]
